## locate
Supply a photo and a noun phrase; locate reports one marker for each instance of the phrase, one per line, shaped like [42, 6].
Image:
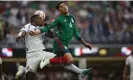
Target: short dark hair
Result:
[58, 5]
[33, 17]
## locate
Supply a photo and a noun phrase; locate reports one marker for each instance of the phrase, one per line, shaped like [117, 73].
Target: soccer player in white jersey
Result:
[21, 34]
[128, 67]
[34, 46]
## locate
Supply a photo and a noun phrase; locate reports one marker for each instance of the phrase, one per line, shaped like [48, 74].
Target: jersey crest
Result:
[72, 20]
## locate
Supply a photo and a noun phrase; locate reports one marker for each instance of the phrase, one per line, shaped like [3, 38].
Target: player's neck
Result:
[67, 13]
[33, 24]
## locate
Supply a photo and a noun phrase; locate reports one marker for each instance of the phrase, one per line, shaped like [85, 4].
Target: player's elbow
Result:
[78, 38]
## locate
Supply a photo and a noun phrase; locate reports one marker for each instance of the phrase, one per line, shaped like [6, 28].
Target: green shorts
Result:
[59, 48]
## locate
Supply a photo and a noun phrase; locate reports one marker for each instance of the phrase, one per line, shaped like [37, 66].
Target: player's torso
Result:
[66, 28]
[33, 43]
[131, 64]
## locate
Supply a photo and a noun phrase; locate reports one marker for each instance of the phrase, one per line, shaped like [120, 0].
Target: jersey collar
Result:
[66, 15]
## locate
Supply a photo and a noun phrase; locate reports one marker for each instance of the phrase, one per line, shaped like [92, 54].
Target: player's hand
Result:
[32, 33]
[88, 46]
[17, 38]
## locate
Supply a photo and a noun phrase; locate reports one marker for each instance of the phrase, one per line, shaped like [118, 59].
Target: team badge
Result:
[72, 20]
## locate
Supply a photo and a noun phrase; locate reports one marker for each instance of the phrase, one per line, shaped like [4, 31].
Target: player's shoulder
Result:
[130, 57]
[27, 25]
[72, 15]
[59, 16]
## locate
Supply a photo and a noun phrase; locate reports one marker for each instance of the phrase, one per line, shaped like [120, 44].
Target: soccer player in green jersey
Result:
[66, 30]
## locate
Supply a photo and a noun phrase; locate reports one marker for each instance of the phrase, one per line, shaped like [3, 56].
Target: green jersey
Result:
[66, 28]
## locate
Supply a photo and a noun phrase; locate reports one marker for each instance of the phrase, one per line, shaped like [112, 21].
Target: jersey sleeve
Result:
[50, 26]
[25, 28]
[76, 33]
[127, 61]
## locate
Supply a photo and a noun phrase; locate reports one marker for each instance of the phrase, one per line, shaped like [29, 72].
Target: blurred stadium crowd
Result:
[99, 22]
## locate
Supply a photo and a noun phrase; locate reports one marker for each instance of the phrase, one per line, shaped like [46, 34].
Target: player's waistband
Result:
[35, 50]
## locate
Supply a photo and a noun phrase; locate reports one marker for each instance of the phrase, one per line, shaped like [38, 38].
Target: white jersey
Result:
[33, 43]
[129, 62]
[35, 47]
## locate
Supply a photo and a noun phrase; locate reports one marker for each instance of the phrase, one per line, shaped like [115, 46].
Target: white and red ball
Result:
[41, 13]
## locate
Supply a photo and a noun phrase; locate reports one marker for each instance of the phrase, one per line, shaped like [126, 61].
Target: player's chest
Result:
[67, 22]
[131, 61]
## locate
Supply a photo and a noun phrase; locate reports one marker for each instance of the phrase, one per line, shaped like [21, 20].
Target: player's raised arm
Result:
[50, 26]
[45, 28]
[21, 34]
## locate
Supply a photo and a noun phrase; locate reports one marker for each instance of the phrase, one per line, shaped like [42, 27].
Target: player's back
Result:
[33, 43]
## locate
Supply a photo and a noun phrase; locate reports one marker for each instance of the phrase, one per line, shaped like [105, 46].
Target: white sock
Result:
[21, 70]
[73, 68]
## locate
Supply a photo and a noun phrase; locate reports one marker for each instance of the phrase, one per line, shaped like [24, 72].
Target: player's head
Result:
[62, 8]
[40, 13]
[37, 20]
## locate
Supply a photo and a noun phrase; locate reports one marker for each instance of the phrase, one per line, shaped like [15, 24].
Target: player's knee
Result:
[69, 60]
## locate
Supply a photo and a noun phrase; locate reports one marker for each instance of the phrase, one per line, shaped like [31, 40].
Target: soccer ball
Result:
[41, 13]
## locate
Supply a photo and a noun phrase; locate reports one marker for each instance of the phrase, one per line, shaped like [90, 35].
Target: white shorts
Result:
[34, 58]
[131, 77]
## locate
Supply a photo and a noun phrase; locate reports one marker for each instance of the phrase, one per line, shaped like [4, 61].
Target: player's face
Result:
[39, 21]
[63, 8]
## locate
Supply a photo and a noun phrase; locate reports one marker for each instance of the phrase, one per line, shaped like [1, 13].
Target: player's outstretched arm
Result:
[77, 35]
[86, 44]
[82, 41]
[50, 26]
[125, 72]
